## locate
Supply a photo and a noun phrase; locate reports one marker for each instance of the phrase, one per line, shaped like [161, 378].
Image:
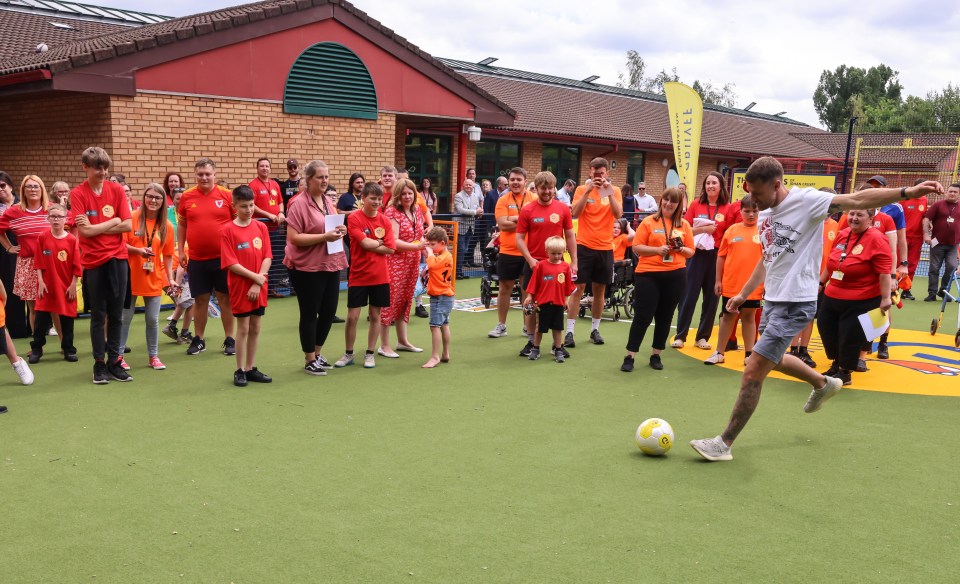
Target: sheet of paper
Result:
[330, 223]
[874, 323]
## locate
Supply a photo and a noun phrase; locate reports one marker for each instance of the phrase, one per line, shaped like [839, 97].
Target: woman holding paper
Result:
[314, 257]
[710, 215]
[408, 220]
[855, 281]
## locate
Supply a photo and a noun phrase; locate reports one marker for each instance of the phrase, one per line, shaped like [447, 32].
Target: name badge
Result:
[538, 219]
[668, 259]
[837, 275]
[243, 245]
[949, 219]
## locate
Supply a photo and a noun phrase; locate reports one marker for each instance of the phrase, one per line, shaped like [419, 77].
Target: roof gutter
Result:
[25, 77]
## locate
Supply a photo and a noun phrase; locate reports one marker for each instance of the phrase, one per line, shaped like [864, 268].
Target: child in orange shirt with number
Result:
[739, 254]
[440, 271]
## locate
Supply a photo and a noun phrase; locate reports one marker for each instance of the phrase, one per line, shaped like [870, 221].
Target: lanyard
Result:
[321, 208]
[519, 206]
[846, 246]
[666, 236]
[153, 233]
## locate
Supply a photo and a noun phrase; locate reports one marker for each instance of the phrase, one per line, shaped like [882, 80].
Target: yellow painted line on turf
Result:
[919, 364]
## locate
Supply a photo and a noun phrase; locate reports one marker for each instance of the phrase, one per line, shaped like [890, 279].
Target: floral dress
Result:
[404, 266]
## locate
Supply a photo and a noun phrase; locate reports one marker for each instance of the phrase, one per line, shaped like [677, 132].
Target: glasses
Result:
[642, 188]
[56, 217]
[32, 187]
[3, 185]
[153, 198]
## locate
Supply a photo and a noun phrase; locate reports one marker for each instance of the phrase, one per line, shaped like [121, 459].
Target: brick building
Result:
[321, 79]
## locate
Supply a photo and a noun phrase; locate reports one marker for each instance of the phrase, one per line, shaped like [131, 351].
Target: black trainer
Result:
[70, 357]
[732, 345]
[239, 379]
[100, 376]
[421, 312]
[862, 366]
[595, 337]
[844, 376]
[525, 351]
[229, 346]
[566, 353]
[196, 347]
[627, 366]
[907, 295]
[34, 357]
[806, 358]
[656, 363]
[568, 341]
[314, 368]
[883, 351]
[257, 376]
[117, 372]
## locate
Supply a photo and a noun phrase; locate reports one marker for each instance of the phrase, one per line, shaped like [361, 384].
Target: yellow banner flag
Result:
[686, 123]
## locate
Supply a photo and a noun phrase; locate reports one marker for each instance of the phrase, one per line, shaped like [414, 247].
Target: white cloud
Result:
[773, 51]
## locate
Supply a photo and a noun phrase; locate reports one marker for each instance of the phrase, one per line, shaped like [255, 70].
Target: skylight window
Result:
[62, 25]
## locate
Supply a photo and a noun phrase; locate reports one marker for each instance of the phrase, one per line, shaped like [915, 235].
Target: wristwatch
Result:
[905, 263]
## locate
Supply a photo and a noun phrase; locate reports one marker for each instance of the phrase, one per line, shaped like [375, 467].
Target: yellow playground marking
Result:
[920, 363]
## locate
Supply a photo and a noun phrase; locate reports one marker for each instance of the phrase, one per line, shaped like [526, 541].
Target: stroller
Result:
[619, 295]
[948, 297]
[490, 281]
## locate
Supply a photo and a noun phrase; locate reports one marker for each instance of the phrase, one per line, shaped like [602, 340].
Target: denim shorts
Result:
[440, 308]
[779, 324]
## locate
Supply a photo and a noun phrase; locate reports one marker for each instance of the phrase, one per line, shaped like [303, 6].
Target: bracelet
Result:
[903, 192]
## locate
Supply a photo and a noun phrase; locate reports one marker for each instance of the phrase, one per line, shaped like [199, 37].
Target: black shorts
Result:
[594, 265]
[526, 276]
[746, 304]
[359, 296]
[256, 312]
[3, 339]
[510, 267]
[551, 318]
[206, 276]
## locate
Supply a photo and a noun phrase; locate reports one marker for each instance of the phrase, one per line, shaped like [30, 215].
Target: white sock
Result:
[571, 323]
[596, 323]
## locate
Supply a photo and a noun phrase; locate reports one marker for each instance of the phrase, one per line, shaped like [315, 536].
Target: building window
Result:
[495, 159]
[635, 162]
[562, 161]
[429, 156]
[328, 79]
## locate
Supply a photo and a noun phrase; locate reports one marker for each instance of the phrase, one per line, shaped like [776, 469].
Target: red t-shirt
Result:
[881, 221]
[539, 222]
[203, 216]
[26, 225]
[246, 245]
[368, 268]
[551, 283]
[722, 214]
[59, 259]
[913, 210]
[868, 256]
[110, 203]
[267, 197]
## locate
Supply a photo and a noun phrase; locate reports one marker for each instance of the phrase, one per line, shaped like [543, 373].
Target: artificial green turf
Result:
[489, 469]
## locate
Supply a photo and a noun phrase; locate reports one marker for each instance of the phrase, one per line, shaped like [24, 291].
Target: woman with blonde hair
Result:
[26, 219]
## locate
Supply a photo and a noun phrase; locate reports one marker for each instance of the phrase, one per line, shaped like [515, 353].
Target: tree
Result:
[938, 112]
[636, 78]
[833, 97]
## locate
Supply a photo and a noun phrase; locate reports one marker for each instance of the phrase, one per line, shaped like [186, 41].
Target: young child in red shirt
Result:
[245, 254]
[440, 271]
[58, 268]
[550, 285]
[371, 241]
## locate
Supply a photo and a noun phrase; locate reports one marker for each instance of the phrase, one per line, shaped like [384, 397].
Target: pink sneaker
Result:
[156, 364]
[123, 364]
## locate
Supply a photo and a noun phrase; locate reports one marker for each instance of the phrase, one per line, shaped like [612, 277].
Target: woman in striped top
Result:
[26, 219]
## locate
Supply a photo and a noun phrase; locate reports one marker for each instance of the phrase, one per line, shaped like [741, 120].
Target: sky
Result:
[773, 51]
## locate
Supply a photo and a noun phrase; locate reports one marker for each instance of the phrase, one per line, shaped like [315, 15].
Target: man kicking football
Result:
[791, 233]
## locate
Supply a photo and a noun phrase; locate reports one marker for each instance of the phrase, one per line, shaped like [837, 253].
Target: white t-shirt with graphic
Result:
[791, 235]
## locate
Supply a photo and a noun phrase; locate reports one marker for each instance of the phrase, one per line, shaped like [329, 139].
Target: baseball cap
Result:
[293, 162]
[877, 179]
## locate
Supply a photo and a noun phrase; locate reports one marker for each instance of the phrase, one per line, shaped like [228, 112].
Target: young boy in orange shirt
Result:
[739, 254]
[550, 286]
[440, 271]
[245, 254]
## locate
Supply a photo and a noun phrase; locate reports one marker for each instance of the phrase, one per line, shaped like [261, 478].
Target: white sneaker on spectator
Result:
[498, 331]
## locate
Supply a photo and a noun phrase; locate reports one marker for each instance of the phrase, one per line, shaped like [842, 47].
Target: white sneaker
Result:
[368, 361]
[499, 331]
[713, 449]
[23, 371]
[388, 354]
[714, 359]
[344, 361]
[819, 395]
[677, 344]
[703, 344]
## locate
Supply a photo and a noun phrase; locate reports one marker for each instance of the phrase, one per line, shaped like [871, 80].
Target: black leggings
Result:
[701, 278]
[317, 294]
[840, 330]
[655, 298]
[43, 322]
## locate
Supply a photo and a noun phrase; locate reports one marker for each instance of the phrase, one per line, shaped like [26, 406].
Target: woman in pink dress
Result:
[407, 220]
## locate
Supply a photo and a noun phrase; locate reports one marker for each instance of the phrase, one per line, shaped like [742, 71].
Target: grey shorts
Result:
[779, 324]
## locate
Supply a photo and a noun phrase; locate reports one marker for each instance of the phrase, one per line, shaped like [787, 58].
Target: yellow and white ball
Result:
[654, 437]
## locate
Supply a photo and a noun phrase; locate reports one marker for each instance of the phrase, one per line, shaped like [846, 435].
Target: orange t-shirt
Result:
[142, 281]
[440, 274]
[650, 232]
[830, 231]
[203, 215]
[509, 205]
[3, 315]
[595, 223]
[741, 248]
[620, 245]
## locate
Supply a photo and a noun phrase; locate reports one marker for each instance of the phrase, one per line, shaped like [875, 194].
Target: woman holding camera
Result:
[663, 242]
[856, 279]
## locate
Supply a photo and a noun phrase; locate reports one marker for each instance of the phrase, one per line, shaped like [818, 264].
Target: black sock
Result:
[350, 352]
[173, 322]
[883, 337]
[748, 353]
[802, 349]
[369, 352]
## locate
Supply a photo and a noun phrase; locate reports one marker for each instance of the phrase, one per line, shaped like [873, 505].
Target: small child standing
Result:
[739, 254]
[440, 271]
[371, 241]
[549, 287]
[58, 267]
[245, 254]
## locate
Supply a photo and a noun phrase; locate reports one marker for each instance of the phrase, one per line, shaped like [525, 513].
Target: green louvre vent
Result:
[328, 79]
